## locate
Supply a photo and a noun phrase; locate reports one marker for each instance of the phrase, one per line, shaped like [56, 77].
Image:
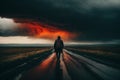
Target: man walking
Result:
[58, 46]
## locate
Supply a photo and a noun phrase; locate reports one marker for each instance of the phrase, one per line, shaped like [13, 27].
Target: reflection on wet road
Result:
[71, 66]
[44, 71]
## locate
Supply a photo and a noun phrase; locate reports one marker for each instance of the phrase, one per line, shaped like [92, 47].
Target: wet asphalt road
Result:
[71, 66]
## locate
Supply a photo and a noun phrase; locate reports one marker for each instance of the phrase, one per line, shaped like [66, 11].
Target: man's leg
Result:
[59, 55]
[56, 54]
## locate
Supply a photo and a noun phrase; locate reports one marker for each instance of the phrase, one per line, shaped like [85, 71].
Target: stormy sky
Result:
[81, 20]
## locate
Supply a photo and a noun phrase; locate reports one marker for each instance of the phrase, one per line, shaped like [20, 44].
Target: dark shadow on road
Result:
[58, 71]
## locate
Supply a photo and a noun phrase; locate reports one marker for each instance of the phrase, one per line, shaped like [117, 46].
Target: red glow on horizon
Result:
[40, 31]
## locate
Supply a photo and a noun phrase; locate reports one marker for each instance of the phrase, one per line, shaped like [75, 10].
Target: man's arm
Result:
[62, 44]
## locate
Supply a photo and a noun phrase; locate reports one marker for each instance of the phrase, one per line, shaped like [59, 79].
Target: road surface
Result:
[71, 66]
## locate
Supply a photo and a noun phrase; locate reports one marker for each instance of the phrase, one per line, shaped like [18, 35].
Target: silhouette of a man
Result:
[58, 46]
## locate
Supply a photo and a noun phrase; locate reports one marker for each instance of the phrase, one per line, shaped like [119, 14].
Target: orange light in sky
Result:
[38, 31]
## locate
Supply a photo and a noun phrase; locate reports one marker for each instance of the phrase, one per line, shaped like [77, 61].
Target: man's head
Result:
[59, 37]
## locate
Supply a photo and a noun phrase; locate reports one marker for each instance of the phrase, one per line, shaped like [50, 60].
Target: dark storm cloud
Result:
[95, 19]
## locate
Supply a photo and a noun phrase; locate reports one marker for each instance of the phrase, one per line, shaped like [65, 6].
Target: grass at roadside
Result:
[11, 54]
[110, 57]
[17, 56]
